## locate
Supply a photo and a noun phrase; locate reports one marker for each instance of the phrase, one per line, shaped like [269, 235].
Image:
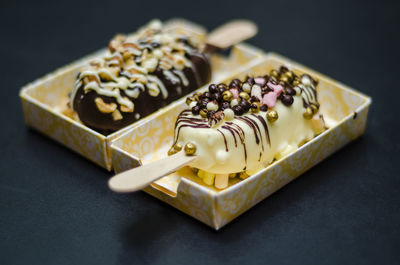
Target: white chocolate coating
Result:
[216, 148]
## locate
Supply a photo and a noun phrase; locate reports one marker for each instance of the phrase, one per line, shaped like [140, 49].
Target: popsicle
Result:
[237, 129]
[241, 128]
[144, 72]
[140, 74]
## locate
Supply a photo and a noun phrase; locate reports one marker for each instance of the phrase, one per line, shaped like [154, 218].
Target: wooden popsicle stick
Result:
[231, 33]
[140, 177]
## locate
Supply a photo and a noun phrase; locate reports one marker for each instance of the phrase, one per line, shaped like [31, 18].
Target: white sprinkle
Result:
[234, 102]
[212, 106]
[256, 92]
[246, 87]
[297, 89]
[229, 114]
[192, 104]
[305, 79]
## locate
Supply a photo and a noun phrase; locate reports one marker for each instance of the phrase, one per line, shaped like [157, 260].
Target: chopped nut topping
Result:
[117, 115]
[135, 58]
[105, 107]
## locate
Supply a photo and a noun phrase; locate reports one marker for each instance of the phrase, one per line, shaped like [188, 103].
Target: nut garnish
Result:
[105, 107]
[135, 57]
[117, 115]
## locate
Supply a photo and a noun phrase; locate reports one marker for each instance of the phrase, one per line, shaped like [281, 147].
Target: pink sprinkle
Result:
[260, 80]
[270, 99]
[235, 92]
[277, 88]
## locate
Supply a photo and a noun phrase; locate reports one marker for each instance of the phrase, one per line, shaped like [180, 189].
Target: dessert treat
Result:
[141, 73]
[239, 128]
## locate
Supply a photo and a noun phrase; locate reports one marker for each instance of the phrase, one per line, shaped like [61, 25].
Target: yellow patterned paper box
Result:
[44, 100]
[345, 111]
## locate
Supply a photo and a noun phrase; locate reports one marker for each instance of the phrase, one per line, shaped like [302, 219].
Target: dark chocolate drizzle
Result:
[239, 131]
[256, 129]
[261, 119]
[309, 95]
[223, 135]
[184, 120]
[188, 122]
[233, 134]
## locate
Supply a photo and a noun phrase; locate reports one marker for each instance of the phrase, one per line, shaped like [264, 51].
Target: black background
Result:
[55, 207]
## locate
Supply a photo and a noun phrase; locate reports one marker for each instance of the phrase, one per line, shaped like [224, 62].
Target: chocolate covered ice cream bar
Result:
[140, 74]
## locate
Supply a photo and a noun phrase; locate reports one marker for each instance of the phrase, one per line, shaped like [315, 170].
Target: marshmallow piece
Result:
[270, 99]
[221, 181]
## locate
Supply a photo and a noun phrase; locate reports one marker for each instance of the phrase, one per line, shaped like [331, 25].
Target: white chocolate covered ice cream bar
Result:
[241, 128]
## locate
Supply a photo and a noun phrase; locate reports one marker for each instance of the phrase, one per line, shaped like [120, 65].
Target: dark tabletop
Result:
[55, 207]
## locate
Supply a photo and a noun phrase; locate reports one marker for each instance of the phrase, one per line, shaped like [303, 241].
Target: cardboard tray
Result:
[345, 111]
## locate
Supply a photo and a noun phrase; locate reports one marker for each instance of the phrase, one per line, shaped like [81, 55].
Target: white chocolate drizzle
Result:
[173, 79]
[160, 84]
[182, 76]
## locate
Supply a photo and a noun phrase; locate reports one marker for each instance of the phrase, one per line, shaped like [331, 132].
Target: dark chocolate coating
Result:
[84, 103]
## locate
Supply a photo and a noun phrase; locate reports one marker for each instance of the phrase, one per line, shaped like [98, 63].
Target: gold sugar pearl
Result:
[274, 73]
[284, 78]
[171, 151]
[244, 95]
[295, 82]
[190, 149]
[272, 115]
[174, 149]
[178, 147]
[232, 175]
[243, 175]
[190, 100]
[227, 95]
[255, 107]
[196, 96]
[308, 113]
[289, 75]
[314, 108]
[203, 113]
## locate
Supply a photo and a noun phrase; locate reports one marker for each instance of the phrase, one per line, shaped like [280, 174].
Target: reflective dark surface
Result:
[55, 207]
